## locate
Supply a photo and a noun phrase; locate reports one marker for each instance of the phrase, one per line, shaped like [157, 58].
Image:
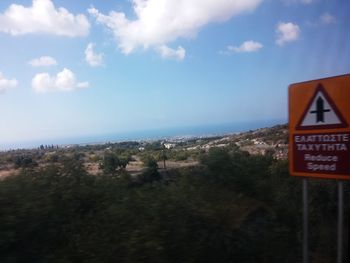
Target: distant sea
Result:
[146, 135]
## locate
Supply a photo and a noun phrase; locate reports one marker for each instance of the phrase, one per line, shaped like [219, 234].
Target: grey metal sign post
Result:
[340, 221]
[305, 222]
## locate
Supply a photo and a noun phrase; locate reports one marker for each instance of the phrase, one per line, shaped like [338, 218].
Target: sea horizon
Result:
[145, 135]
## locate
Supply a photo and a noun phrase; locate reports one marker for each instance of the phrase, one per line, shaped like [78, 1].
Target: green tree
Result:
[110, 163]
[150, 174]
[24, 162]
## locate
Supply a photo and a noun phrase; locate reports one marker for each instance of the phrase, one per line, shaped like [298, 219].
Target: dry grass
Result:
[5, 172]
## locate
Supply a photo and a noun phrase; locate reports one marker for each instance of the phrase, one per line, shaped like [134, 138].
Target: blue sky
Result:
[81, 68]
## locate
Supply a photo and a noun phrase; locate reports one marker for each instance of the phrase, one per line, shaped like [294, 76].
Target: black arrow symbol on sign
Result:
[320, 110]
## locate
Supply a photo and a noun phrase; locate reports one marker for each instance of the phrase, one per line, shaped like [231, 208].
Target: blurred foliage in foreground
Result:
[232, 208]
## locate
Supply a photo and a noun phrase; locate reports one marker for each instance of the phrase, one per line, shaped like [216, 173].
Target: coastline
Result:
[168, 134]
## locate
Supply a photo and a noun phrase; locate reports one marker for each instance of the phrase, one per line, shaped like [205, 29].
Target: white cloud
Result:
[43, 17]
[169, 53]
[63, 81]
[92, 58]
[44, 61]
[247, 46]
[327, 19]
[324, 19]
[287, 32]
[6, 84]
[159, 22]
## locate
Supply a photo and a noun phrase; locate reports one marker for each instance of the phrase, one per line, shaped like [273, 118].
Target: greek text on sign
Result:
[319, 142]
[322, 153]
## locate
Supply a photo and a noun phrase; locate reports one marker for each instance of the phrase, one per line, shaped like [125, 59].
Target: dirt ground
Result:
[6, 172]
[92, 168]
[174, 165]
[134, 167]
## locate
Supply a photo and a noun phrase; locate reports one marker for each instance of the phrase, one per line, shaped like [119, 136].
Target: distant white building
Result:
[169, 145]
[258, 142]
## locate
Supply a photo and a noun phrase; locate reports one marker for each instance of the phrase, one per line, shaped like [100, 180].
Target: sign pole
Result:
[340, 221]
[305, 222]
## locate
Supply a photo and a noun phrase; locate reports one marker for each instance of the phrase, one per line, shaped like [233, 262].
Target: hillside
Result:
[179, 151]
[175, 200]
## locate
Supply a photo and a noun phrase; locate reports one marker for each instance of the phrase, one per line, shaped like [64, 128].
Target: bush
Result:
[24, 162]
